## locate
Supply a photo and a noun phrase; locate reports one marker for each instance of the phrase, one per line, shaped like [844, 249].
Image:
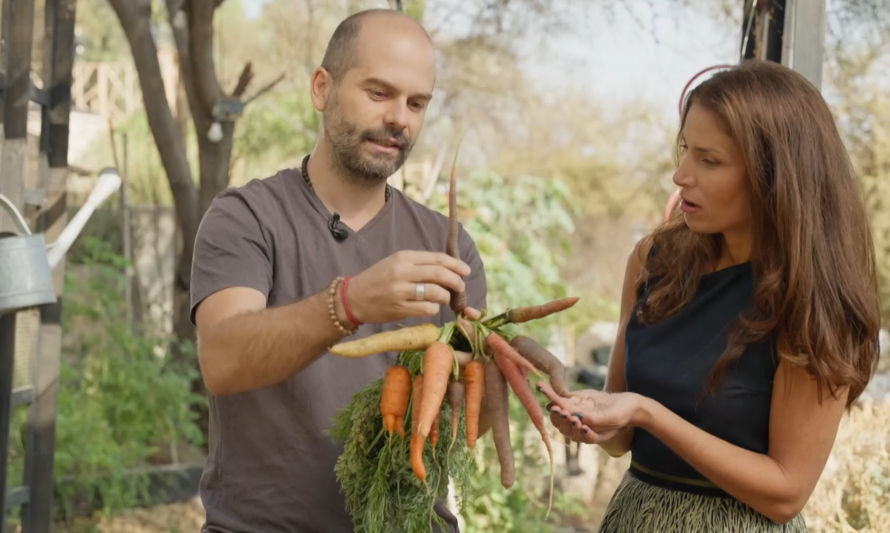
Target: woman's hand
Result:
[592, 416]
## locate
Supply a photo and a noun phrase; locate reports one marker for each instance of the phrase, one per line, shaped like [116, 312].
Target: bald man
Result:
[287, 266]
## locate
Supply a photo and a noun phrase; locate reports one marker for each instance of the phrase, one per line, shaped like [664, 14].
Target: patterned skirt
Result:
[640, 507]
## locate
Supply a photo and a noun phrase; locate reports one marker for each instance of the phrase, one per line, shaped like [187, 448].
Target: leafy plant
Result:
[122, 404]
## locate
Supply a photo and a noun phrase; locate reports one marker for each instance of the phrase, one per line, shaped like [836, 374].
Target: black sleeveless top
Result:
[670, 360]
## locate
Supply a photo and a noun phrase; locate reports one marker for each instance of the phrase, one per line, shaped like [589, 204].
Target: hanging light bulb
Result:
[179, 20]
[215, 133]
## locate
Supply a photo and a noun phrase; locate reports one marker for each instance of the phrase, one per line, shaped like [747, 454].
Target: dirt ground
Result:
[184, 517]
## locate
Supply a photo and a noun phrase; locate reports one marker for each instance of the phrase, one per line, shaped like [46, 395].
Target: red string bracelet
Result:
[349, 316]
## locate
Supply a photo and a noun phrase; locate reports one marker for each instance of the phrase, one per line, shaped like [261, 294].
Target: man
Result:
[268, 301]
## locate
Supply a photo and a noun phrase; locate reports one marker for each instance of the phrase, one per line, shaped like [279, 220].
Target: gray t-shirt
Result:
[270, 466]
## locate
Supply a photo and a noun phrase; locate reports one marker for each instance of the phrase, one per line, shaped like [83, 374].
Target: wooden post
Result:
[40, 436]
[16, 34]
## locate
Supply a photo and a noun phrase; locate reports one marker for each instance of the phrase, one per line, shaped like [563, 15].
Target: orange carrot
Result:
[496, 400]
[434, 431]
[543, 361]
[400, 340]
[497, 343]
[415, 446]
[394, 398]
[458, 299]
[456, 401]
[474, 385]
[527, 398]
[524, 314]
[438, 361]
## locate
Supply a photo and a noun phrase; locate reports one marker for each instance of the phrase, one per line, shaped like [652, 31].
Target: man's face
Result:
[374, 114]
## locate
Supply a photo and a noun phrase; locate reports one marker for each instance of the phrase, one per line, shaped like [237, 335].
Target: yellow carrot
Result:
[400, 340]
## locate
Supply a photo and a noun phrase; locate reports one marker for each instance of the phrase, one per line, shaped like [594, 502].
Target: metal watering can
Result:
[26, 262]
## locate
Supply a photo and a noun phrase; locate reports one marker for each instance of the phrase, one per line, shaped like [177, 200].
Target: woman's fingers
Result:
[563, 422]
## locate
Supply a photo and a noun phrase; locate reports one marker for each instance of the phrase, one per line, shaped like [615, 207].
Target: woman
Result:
[749, 321]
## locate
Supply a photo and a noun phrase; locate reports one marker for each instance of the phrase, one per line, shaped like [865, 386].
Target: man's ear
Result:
[321, 85]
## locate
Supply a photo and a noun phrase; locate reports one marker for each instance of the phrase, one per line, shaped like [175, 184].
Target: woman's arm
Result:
[776, 484]
[801, 433]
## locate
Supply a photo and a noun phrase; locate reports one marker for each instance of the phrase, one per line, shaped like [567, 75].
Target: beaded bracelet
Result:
[332, 311]
[349, 316]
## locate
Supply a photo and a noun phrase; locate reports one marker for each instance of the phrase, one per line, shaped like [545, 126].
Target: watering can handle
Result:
[14, 213]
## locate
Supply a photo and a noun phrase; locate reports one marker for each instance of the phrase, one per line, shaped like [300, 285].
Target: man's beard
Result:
[346, 142]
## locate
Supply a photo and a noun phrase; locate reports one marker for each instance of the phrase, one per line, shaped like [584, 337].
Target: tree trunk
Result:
[135, 18]
[192, 23]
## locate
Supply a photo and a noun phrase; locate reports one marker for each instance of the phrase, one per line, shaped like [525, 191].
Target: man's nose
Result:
[397, 115]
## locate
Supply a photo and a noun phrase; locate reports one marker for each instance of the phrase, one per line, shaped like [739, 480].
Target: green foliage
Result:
[488, 506]
[382, 493]
[278, 127]
[122, 404]
[415, 9]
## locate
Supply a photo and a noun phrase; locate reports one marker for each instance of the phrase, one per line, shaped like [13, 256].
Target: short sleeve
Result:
[231, 250]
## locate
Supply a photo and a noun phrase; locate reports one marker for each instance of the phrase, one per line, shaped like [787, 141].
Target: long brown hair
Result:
[812, 254]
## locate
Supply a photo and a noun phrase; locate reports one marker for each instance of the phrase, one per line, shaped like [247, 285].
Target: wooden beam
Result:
[55, 116]
[15, 34]
[18, 29]
[7, 355]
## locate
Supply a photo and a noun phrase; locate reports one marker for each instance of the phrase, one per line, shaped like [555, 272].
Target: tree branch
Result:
[200, 44]
[243, 80]
[265, 88]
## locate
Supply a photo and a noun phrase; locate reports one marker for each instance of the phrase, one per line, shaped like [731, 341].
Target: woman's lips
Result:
[688, 207]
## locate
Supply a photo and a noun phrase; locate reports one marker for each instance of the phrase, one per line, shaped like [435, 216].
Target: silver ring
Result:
[418, 292]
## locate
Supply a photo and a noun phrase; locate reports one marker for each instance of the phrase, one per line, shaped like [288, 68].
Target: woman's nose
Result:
[683, 176]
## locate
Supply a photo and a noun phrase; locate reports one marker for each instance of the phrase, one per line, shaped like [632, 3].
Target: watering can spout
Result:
[108, 182]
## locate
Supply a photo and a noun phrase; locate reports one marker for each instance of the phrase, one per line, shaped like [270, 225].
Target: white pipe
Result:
[109, 181]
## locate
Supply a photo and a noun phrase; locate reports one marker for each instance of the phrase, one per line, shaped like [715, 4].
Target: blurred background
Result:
[568, 111]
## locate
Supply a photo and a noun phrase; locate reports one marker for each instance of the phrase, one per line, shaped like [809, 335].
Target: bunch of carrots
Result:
[474, 381]
[472, 387]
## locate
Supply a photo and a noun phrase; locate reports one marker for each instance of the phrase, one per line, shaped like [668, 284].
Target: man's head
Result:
[373, 87]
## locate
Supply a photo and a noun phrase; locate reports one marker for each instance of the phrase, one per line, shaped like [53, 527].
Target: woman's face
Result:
[714, 189]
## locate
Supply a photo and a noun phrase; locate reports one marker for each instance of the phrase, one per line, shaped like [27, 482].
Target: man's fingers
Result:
[437, 275]
[423, 258]
[429, 292]
[421, 308]
[472, 313]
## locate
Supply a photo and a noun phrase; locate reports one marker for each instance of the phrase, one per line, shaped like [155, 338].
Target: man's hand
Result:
[388, 290]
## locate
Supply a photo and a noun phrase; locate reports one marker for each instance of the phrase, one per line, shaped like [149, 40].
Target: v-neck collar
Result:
[326, 214]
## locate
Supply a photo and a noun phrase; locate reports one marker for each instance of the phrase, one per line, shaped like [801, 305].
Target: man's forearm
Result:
[263, 347]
